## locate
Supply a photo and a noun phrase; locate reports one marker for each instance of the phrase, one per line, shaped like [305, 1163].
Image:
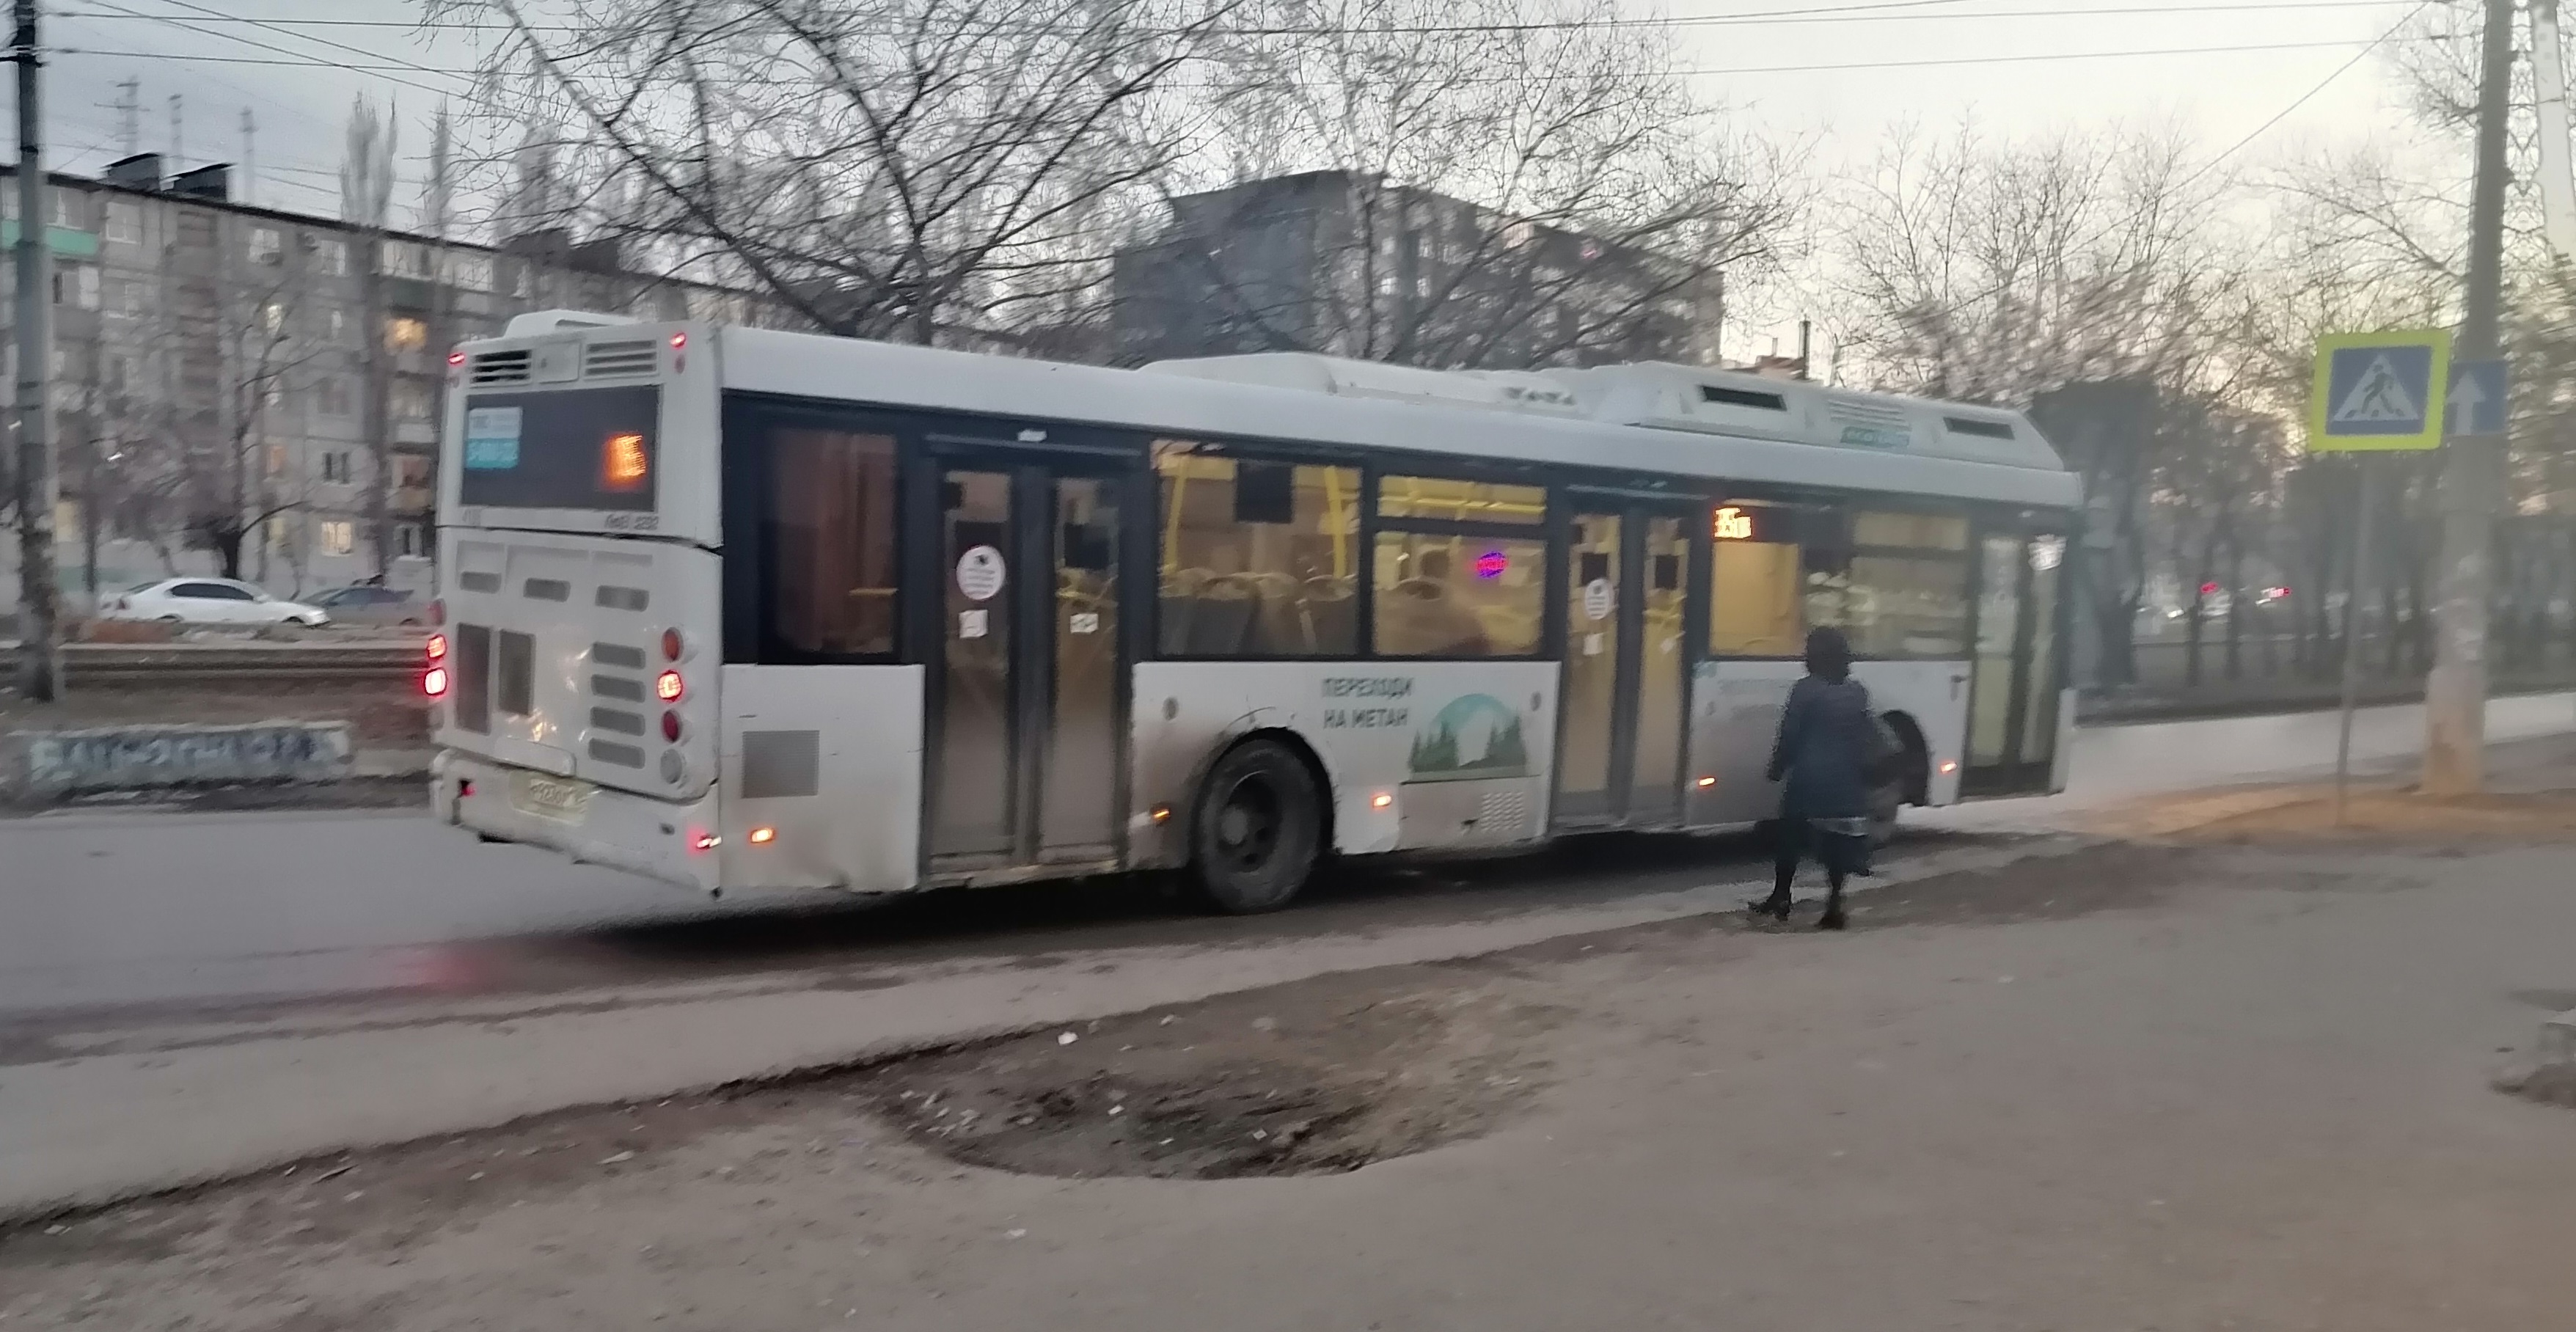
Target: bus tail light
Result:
[671, 727]
[669, 687]
[433, 682]
[436, 647]
[704, 841]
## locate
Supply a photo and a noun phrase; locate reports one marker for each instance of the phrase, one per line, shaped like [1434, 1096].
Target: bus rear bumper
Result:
[659, 839]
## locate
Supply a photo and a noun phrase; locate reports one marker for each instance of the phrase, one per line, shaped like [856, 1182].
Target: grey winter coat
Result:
[1824, 750]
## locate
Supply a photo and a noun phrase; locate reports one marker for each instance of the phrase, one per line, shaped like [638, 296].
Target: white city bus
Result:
[746, 610]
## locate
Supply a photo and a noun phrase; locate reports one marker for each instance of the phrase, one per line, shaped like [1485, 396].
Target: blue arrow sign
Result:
[2478, 398]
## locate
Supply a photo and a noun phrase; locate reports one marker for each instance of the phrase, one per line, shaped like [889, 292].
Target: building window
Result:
[1259, 558]
[267, 246]
[335, 324]
[411, 540]
[272, 316]
[339, 537]
[277, 460]
[335, 466]
[330, 255]
[411, 470]
[411, 402]
[333, 395]
[404, 333]
[85, 281]
[130, 294]
[124, 223]
[404, 259]
[471, 272]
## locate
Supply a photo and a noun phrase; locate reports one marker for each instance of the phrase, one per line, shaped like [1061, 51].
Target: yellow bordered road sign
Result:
[2380, 392]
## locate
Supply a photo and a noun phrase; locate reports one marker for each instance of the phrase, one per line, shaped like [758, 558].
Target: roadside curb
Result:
[2171, 818]
[212, 1102]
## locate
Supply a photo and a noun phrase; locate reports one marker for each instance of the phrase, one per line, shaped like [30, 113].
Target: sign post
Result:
[2379, 393]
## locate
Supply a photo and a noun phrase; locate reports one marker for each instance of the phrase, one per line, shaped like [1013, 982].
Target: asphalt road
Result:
[157, 910]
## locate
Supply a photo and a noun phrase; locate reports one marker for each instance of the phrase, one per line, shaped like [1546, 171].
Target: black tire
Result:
[1257, 830]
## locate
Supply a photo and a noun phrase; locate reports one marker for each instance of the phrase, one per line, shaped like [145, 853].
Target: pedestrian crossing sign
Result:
[2379, 392]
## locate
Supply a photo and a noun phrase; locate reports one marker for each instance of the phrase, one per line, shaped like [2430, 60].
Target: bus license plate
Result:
[550, 797]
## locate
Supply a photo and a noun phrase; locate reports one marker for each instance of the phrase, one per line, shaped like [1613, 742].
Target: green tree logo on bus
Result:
[1475, 736]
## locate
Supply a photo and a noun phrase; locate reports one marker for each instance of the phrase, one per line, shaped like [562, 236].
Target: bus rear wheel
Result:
[1258, 828]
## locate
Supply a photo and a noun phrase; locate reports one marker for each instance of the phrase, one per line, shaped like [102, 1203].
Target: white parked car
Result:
[210, 601]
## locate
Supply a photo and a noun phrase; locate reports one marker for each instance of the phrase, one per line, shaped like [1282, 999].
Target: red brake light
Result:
[456, 358]
[437, 647]
[679, 341]
[668, 686]
[433, 682]
[671, 727]
[705, 841]
[671, 644]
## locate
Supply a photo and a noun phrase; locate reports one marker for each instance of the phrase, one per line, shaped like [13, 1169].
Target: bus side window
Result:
[1756, 581]
[828, 538]
[1260, 558]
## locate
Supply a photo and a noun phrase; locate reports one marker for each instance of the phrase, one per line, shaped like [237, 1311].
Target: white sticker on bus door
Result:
[971, 624]
[979, 573]
[1596, 599]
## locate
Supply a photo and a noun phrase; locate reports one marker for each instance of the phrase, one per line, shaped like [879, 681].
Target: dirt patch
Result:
[2392, 817]
[2121, 876]
[382, 714]
[1318, 1077]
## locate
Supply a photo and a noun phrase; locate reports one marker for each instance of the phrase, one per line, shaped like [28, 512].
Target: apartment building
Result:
[212, 371]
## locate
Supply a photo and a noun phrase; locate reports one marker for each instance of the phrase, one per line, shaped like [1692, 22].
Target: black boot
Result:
[1833, 917]
[1775, 906]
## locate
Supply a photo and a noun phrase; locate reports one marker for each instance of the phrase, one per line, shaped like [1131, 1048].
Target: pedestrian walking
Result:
[1827, 745]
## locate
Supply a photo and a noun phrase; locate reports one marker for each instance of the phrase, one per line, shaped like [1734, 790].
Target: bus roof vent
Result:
[557, 321]
[1491, 390]
[631, 356]
[500, 367]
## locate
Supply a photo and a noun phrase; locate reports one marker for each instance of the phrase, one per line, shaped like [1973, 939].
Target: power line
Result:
[1861, 13]
[2304, 98]
[2240, 49]
[301, 58]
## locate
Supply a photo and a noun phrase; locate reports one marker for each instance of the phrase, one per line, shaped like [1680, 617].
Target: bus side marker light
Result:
[1948, 766]
[763, 836]
[1707, 782]
[1381, 800]
[1160, 814]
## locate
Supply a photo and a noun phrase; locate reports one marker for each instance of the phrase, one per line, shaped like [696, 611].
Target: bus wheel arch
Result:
[1260, 821]
[1914, 777]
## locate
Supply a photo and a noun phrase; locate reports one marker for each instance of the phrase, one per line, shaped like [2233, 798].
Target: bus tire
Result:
[1257, 830]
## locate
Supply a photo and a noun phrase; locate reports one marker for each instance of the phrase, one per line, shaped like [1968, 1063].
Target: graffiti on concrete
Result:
[125, 758]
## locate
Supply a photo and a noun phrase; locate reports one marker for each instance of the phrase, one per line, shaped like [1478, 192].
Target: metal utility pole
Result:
[2473, 476]
[38, 664]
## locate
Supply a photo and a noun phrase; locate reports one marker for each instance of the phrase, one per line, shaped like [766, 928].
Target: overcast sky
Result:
[296, 81]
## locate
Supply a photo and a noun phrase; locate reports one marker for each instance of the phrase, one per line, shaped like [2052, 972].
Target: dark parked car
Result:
[373, 605]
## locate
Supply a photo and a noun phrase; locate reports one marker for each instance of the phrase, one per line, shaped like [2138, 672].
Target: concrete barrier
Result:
[44, 766]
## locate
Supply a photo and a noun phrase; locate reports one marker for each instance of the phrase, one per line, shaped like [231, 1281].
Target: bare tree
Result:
[366, 200]
[1478, 183]
[904, 169]
[1990, 270]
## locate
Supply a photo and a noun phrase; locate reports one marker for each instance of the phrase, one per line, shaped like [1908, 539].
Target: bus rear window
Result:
[573, 449]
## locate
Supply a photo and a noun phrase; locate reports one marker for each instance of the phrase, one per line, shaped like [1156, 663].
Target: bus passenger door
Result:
[1623, 708]
[1024, 762]
[2013, 675]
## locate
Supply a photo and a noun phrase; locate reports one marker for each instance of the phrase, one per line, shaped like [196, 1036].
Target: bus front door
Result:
[1626, 673]
[1024, 764]
[2014, 678]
